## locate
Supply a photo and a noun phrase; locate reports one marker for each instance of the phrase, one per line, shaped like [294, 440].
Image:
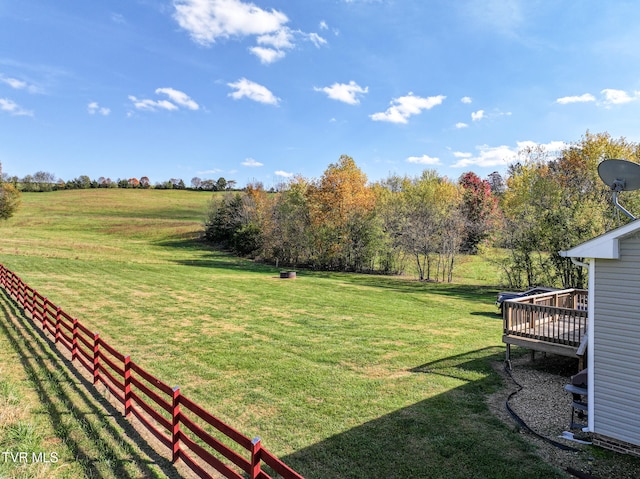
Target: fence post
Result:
[96, 357]
[14, 288]
[57, 338]
[20, 293]
[127, 385]
[256, 446]
[45, 312]
[33, 304]
[23, 292]
[74, 342]
[28, 302]
[175, 422]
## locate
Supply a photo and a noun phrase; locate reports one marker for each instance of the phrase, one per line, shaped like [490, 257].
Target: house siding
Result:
[616, 354]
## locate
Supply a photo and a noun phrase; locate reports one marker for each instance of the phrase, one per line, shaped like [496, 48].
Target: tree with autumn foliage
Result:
[479, 209]
[145, 182]
[341, 209]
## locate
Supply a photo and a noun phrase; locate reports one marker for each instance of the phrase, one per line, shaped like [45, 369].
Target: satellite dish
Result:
[620, 175]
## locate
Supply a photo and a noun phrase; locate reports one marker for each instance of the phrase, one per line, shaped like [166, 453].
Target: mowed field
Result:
[341, 375]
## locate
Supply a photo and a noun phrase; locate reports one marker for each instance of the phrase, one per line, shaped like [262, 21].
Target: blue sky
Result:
[262, 90]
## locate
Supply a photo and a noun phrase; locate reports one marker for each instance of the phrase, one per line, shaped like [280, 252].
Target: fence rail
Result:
[193, 435]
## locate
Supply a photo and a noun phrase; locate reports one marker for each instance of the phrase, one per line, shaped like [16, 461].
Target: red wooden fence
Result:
[196, 437]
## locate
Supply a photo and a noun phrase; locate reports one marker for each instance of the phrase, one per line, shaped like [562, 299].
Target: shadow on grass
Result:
[495, 316]
[452, 435]
[63, 391]
[460, 365]
[208, 256]
[212, 257]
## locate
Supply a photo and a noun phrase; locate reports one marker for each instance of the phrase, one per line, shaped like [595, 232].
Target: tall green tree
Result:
[9, 198]
[429, 225]
[530, 194]
[287, 237]
[554, 202]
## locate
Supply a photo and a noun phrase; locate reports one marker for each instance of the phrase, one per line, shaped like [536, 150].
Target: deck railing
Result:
[557, 317]
[190, 433]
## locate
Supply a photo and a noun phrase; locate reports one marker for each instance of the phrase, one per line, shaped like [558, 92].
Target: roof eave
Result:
[605, 246]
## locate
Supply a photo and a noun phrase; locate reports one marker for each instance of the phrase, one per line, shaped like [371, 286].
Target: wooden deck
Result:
[551, 322]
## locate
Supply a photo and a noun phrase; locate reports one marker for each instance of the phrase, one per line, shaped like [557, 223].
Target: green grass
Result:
[50, 428]
[342, 375]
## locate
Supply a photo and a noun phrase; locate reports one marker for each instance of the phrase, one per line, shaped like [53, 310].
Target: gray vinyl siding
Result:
[617, 344]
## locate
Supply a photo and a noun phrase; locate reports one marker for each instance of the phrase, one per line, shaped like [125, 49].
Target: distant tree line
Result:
[548, 202]
[44, 181]
[342, 223]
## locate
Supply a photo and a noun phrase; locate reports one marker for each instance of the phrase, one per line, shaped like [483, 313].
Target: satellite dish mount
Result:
[620, 175]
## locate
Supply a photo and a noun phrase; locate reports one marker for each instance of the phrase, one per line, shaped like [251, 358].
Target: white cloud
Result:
[424, 160]
[209, 172]
[551, 147]
[267, 55]
[503, 155]
[17, 84]
[251, 163]
[461, 125]
[208, 20]
[617, 97]
[13, 108]
[284, 174]
[486, 156]
[323, 25]
[346, 93]
[152, 105]
[565, 100]
[405, 106]
[179, 98]
[94, 108]
[253, 91]
[477, 115]
[610, 96]
[13, 82]
[280, 39]
[316, 39]
[466, 99]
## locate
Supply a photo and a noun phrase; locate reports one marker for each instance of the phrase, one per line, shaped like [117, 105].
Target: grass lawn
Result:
[341, 375]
